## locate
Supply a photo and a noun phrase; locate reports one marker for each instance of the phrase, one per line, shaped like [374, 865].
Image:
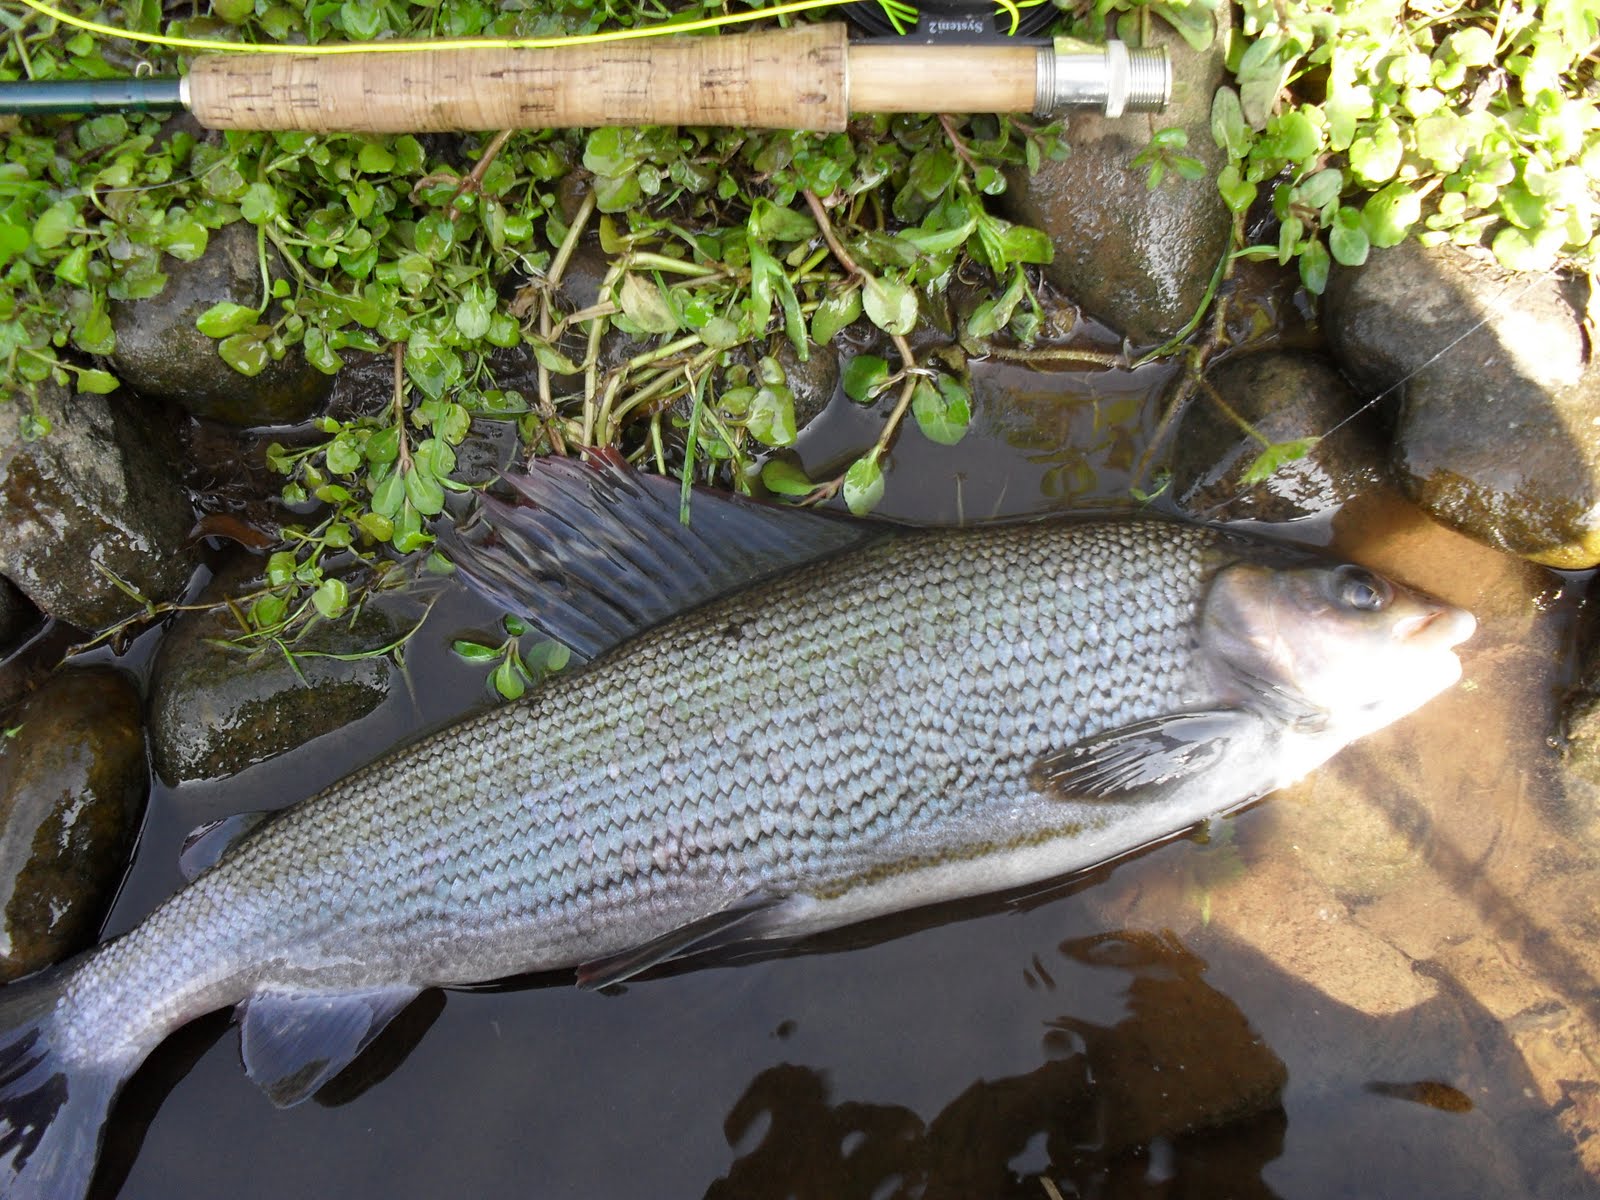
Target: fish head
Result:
[1335, 647]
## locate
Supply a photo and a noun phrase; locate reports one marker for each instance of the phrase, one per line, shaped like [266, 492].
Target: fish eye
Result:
[1362, 590]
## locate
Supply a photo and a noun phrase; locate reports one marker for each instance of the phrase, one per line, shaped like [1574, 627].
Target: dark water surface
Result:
[1382, 984]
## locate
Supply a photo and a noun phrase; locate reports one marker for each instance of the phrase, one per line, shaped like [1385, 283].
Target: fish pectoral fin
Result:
[1145, 758]
[206, 846]
[294, 1042]
[712, 930]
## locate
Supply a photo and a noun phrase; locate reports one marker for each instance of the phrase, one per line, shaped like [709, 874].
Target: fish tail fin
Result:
[52, 1110]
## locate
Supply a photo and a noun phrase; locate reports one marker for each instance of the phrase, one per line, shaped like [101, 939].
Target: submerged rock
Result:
[95, 498]
[1137, 258]
[216, 708]
[72, 791]
[1499, 427]
[161, 353]
[1286, 396]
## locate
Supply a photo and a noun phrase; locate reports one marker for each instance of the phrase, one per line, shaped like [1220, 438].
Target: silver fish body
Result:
[939, 715]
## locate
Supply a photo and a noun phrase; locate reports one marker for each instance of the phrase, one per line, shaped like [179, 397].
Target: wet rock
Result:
[17, 615]
[161, 353]
[1136, 258]
[94, 498]
[813, 382]
[1177, 1026]
[1499, 427]
[216, 709]
[1286, 396]
[72, 791]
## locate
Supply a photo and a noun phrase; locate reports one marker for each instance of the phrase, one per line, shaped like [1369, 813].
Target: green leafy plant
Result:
[515, 668]
[1453, 122]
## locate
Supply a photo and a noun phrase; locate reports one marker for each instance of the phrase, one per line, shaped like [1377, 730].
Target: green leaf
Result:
[54, 224]
[423, 491]
[261, 204]
[1275, 456]
[1389, 215]
[474, 313]
[435, 457]
[943, 412]
[770, 222]
[1375, 155]
[863, 484]
[375, 158]
[862, 376]
[474, 651]
[992, 316]
[245, 353]
[890, 304]
[98, 382]
[344, 458]
[1347, 239]
[833, 314]
[268, 611]
[643, 304]
[508, 681]
[281, 568]
[330, 599]
[771, 418]
[785, 479]
[1314, 263]
[222, 319]
[1228, 129]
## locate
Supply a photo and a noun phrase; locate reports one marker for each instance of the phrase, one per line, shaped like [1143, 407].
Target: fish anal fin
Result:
[728, 924]
[294, 1042]
[211, 842]
[1142, 760]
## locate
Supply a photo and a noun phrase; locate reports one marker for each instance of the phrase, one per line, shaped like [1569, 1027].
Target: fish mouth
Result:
[1440, 625]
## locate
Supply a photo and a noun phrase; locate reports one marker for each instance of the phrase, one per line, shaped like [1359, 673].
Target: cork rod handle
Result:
[788, 79]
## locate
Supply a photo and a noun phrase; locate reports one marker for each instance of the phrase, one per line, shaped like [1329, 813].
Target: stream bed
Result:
[1384, 982]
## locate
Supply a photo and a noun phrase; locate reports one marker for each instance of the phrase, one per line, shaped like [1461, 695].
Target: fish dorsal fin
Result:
[1142, 759]
[206, 846]
[715, 929]
[594, 552]
[294, 1042]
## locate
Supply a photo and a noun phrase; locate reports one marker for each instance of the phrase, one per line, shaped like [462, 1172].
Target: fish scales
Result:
[779, 741]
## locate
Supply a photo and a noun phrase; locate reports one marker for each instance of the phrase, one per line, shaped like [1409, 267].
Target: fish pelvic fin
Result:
[294, 1042]
[730, 924]
[53, 1109]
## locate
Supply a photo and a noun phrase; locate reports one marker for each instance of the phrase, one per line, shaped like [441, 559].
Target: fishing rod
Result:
[958, 56]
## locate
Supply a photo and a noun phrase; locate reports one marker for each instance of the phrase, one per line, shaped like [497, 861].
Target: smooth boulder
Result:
[72, 791]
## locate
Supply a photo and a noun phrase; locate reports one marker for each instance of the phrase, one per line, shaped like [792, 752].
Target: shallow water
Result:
[1383, 983]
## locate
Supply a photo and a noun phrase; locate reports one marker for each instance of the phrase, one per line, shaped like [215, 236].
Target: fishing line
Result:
[899, 14]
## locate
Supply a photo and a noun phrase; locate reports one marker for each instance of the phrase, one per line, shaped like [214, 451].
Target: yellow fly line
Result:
[900, 14]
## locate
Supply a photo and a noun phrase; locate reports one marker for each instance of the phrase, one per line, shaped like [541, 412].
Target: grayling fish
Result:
[917, 718]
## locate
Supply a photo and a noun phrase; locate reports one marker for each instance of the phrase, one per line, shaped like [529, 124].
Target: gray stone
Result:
[813, 382]
[1286, 396]
[216, 708]
[161, 353]
[95, 498]
[72, 791]
[1499, 427]
[1138, 259]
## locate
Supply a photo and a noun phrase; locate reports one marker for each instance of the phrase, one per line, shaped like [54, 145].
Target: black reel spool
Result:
[954, 21]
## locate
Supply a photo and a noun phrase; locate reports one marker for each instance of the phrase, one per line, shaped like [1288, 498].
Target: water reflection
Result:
[1176, 1096]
